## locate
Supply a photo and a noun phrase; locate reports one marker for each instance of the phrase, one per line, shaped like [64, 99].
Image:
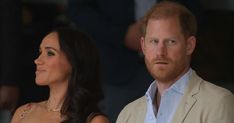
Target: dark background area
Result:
[213, 58]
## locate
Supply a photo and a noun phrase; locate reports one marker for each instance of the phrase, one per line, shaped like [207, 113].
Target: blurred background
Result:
[213, 58]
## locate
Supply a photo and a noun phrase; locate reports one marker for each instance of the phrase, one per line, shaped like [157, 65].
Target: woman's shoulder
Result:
[22, 111]
[97, 117]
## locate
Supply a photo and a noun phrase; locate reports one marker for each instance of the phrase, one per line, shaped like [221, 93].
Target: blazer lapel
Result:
[188, 100]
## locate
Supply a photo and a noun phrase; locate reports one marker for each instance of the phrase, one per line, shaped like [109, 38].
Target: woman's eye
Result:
[50, 53]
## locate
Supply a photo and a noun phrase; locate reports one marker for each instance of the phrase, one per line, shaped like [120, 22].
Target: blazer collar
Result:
[189, 98]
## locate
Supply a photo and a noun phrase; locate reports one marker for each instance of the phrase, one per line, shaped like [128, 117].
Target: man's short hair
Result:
[168, 9]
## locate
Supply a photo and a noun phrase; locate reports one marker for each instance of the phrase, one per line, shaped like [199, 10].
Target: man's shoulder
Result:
[133, 112]
[207, 90]
[138, 105]
[209, 100]
[212, 90]
[214, 95]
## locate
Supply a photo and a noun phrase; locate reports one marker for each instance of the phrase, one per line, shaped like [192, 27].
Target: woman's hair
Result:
[84, 89]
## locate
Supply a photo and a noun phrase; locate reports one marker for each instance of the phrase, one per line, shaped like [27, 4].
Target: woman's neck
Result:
[57, 96]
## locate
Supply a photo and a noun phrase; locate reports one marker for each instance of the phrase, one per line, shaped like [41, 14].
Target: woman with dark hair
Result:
[69, 64]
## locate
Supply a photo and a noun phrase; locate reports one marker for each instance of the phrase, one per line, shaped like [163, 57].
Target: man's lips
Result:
[161, 62]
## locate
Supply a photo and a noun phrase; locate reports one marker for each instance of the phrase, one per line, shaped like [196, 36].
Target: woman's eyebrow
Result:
[48, 48]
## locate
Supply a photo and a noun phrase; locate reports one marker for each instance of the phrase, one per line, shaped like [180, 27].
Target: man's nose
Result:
[161, 49]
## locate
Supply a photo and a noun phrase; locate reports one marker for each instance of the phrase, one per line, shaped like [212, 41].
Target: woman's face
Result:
[52, 65]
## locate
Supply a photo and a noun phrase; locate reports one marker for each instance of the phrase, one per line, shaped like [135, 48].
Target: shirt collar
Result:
[179, 86]
[150, 93]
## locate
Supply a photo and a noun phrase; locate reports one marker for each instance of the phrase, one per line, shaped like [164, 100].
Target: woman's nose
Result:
[38, 60]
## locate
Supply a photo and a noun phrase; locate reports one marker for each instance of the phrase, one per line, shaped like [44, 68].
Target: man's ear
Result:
[191, 44]
[142, 44]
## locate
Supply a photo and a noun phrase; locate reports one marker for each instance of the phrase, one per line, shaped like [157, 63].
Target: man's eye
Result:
[171, 42]
[50, 53]
[154, 41]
